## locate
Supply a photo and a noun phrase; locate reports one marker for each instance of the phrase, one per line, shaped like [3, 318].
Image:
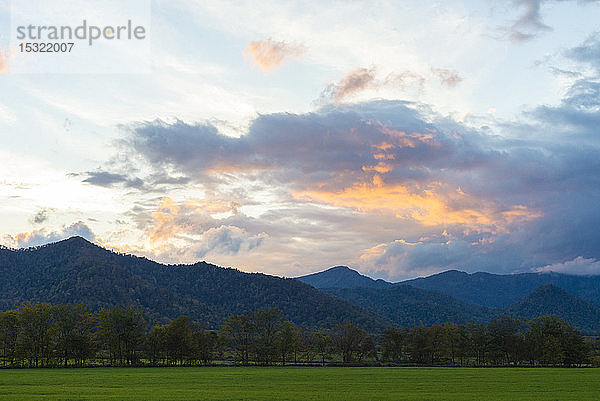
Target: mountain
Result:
[342, 277]
[495, 290]
[77, 271]
[551, 300]
[409, 306]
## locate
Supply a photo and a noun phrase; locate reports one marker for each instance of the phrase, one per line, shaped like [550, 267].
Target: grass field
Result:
[300, 383]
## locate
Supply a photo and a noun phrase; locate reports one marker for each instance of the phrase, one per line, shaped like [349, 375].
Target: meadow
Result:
[301, 383]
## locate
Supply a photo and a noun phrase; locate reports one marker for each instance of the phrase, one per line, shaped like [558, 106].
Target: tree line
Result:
[46, 335]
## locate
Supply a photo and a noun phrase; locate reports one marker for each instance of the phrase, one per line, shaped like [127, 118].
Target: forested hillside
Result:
[408, 306]
[496, 290]
[76, 271]
[551, 300]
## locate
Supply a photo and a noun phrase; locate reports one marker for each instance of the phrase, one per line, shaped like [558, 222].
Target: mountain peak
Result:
[75, 243]
[75, 271]
[76, 240]
[549, 299]
[341, 277]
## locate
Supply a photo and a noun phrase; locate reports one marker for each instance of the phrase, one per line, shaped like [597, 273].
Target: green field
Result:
[300, 383]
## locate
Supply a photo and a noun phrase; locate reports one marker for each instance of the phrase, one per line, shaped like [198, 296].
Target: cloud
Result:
[405, 79]
[193, 229]
[431, 206]
[356, 81]
[529, 24]
[268, 54]
[366, 79]
[387, 185]
[106, 179]
[577, 116]
[449, 78]
[588, 52]
[46, 235]
[228, 240]
[579, 266]
[403, 259]
[41, 216]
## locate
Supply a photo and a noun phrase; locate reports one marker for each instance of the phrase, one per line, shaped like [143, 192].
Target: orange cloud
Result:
[172, 219]
[164, 226]
[401, 139]
[434, 206]
[268, 54]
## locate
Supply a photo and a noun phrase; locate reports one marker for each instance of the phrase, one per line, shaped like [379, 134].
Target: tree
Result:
[205, 342]
[452, 335]
[575, 349]
[9, 332]
[322, 343]
[505, 340]
[480, 340]
[155, 344]
[551, 341]
[437, 345]
[351, 341]
[121, 331]
[393, 344]
[240, 332]
[267, 324]
[288, 341]
[464, 343]
[417, 345]
[179, 341]
[37, 333]
[73, 333]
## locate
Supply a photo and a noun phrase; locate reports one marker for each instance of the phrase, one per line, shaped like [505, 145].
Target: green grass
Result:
[300, 383]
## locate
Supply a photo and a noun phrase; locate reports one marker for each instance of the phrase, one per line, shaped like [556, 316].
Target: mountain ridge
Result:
[342, 277]
[77, 271]
[501, 290]
[549, 299]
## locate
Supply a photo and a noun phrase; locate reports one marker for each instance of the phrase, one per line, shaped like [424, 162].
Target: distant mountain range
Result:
[496, 290]
[461, 297]
[77, 271]
[408, 306]
[549, 299]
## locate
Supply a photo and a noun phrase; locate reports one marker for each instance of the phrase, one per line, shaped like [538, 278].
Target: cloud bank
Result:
[403, 191]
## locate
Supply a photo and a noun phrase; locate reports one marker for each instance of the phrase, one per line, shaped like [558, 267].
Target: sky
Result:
[399, 138]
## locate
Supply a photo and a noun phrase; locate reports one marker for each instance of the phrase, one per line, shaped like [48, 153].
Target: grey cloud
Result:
[41, 216]
[227, 240]
[106, 179]
[578, 115]
[566, 73]
[317, 145]
[588, 52]
[530, 23]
